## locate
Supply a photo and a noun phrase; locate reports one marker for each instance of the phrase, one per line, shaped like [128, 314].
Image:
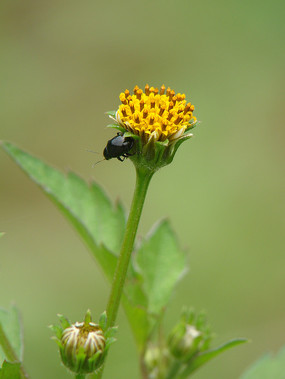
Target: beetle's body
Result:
[118, 147]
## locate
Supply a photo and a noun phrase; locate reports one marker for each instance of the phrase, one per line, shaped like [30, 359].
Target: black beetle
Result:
[118, 147]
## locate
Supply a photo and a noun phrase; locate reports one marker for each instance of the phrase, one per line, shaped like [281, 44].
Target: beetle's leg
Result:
[127, 155]
[120, 159]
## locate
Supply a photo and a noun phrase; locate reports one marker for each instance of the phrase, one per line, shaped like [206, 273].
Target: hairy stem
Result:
[143, 178]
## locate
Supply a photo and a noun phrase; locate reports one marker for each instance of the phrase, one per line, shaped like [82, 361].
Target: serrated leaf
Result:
[206, 356]
[267, 367]
[161, 263]
[11, 325]
[100, 224]
[10, 371]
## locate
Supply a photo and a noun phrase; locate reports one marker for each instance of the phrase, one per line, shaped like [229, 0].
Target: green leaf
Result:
[11, 325]
[139, 321]
[1, 234]
[153, 273]
[91, 213]
[100, 224]
[267, 367]
[10, 371]
[202, 358]
[161, 263]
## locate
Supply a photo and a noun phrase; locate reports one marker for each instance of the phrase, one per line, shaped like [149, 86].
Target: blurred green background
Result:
[63, 64]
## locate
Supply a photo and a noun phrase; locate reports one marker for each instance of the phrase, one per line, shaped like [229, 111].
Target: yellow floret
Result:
[155, 113]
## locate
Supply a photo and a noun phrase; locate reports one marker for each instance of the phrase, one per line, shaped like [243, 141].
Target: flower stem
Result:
[9, 352]
[143, 177]
[142, 182]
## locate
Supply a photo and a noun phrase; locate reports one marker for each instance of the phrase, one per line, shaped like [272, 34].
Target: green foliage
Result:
[161, 263]
[86, 206]
[11, 325]
[11, 345]
[155, 269]
[91, 213]
[10, 370]
[204, 357]
[156, 266]
[267, 367]
[136, 313]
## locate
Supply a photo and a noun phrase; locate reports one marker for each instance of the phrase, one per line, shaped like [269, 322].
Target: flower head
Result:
[158, 120]
[156, 114]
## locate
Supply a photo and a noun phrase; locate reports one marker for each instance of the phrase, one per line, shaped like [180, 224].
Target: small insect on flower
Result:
[152, 123]
[118, 147]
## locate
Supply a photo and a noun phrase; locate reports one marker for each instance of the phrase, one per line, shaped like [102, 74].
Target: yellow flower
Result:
[152, 125]
[155, 114]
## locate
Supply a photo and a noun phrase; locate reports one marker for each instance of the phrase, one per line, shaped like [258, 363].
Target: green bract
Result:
[151, 155]
[155, 154]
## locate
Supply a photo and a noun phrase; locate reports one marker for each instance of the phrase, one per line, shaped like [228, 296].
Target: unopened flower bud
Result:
[190, 336]
[156, 360]
[83, 345]
[184, 340]
[82, 340]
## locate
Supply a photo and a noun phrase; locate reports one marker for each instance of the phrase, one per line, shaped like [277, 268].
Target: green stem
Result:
[143, 178]
[80, 376]
[9, 352]
[142, 182]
